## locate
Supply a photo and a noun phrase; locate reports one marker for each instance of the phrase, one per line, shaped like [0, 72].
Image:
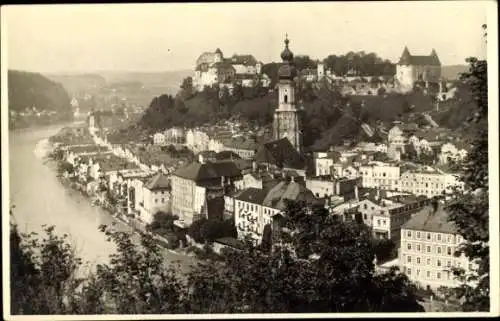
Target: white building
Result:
[156, 197]
[255, 208]
[159, 139]
[428, 244]
[380, 175]
[428, 181]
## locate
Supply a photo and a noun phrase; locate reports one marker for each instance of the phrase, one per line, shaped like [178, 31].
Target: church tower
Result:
[287, 122]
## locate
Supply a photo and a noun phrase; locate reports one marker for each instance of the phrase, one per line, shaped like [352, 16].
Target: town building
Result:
[287, 117]
[428, 181]
[328, 185]
[156, 197]
[159, 139]
[428, 244]
[411, 68]
[191, 185]
[254, 208]
[380, 175]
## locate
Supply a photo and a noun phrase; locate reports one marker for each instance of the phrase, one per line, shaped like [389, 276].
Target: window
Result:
[448, 264]
[418, 260]
[418, 235]
[428, 274]
[438, 275]
[428, 261]
[428, 236]
[439, 249]
[378, 222]
[409, 259]
[156, 200]
[438, 262]
[409, 233]
[286, 99]
[163, 200]
[409, 246]
[409, 271]
[418, 247]
[428, 249]
[439, 237]
[365, 206]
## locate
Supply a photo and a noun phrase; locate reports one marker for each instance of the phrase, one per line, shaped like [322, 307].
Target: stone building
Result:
[412, 68]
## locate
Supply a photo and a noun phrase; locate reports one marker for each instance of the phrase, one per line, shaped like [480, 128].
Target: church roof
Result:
[200, 172]
[408, 59]
[280, 153]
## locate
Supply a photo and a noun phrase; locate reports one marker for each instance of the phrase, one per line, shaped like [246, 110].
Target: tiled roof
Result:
[200, 172]
[431, 221]
[252, 195]
[287, 190]
[242, 60]
[159, 181]
[275, 196]
[430, 60]
[224, 155]
[281, 153]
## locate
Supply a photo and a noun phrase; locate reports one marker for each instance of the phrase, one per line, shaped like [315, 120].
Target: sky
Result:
[164, 37]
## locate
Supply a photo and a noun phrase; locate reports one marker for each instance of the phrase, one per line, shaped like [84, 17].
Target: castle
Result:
[417, 68]
[213, 68]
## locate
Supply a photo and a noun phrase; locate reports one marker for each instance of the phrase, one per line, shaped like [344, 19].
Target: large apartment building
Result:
[428, 244]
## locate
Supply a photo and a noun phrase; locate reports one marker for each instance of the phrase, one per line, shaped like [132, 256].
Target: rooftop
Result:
[431, 220]
[200, 172]
[159, 181]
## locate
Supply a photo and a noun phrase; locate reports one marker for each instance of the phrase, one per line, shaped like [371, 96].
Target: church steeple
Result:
[287, 122]
[287, 70]
[405, 57]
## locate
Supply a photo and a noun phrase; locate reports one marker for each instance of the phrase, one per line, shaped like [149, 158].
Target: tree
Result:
[470, 208]
[43, 273]
[162, 223]
[187, 89]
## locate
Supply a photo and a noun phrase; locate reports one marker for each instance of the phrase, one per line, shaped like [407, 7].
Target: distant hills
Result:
[91, 83]
[452, 72]
[28, 89]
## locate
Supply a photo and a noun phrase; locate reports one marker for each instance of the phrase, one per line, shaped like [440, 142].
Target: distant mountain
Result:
[77, 84]
[28, 89]
[166, 82]
[453, 71]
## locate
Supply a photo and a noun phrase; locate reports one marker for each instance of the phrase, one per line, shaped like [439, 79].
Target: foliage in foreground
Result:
[138, 280]
[470, 209]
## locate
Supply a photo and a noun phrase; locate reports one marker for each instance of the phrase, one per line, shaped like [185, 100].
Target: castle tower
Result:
[321, 70]
[287, 122]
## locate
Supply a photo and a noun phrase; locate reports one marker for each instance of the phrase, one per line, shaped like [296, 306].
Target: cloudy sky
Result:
[160, 37]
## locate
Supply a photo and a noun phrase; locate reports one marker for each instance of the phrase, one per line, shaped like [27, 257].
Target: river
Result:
[39, 198]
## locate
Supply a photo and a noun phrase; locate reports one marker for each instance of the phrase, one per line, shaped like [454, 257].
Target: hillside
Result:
[27, 90]
[77, 84]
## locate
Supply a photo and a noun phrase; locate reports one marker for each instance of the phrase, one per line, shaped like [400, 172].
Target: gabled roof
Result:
[280, 153]
[430, 220]
[227, 155]
[408, 59]
[159, 181]
[275, 196]
[242, 60]
[252, 195]
[200, 172]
